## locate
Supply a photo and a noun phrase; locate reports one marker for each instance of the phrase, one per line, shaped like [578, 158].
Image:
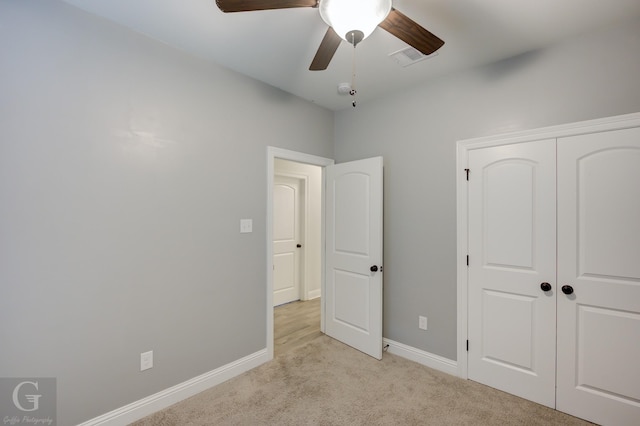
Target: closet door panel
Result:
[599, 258]
[512, 320]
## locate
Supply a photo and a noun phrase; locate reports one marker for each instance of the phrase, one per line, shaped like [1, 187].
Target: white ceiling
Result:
[277, 46]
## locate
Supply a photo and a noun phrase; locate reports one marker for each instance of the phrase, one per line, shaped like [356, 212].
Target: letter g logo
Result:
[33, 399]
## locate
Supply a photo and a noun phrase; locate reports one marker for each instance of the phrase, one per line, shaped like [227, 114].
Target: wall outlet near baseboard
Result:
[246, 226]
[422, 322]
[146, 360]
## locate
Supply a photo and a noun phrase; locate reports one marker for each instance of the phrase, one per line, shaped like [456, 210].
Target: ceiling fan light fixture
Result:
[345, 16]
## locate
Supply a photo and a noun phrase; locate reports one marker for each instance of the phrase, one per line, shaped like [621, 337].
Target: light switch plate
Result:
[246, 226]
[422, 322]
[146, 360]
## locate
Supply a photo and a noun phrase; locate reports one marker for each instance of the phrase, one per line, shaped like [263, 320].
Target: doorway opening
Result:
[297, 260]
[351, 225]
[295, 275]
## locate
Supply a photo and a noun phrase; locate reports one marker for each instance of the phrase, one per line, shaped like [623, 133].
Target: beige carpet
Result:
[328, 383]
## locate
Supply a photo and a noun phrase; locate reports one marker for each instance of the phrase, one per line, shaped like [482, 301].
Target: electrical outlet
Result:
[422, 322]
[146, 360]
[246, 226]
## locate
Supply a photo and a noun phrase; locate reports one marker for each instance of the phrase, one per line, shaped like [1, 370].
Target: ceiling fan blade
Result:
[325, 52]
[250, 5]
[410, 32]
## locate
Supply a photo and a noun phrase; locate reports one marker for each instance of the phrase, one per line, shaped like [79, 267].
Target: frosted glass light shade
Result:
[349, 15]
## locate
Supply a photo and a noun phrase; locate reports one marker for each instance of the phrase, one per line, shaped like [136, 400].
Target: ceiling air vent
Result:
[409, 56]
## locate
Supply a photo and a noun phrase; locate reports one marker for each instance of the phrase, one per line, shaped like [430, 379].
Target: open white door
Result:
[353, 292]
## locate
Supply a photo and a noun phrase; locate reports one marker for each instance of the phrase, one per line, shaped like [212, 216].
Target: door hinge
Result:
[467, 345]
[467, 170]
[467, 260]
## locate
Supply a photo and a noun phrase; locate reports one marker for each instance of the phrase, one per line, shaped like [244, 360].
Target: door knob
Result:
[567, 289]
[545, 286]
[374, 268]
[298, 245]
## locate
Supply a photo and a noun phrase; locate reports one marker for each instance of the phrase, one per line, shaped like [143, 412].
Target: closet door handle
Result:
[374, 268]
[567, 289]
[545, 287]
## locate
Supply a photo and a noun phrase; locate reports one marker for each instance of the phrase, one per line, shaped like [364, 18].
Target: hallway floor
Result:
[295, 324]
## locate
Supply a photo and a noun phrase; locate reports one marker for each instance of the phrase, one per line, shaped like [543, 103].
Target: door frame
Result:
[463, 147]
[285, 154]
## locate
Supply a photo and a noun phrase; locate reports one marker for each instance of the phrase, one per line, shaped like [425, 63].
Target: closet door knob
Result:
[567, 289]
[545, 286]
[374, 268]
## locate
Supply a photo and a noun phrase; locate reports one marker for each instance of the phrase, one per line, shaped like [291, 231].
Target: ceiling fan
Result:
[349, 20]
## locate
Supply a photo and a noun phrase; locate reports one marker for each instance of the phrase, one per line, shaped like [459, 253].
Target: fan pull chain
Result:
[353, 90]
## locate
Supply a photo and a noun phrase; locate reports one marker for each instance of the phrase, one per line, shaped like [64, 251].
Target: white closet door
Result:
[512, 249]
[599, 258]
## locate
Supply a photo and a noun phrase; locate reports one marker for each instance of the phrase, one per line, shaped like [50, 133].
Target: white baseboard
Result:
[163, 399]
[313, 294]
[430, 360]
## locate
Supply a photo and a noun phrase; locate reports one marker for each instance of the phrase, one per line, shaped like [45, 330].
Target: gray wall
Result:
[588, 77]
[125, 167]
